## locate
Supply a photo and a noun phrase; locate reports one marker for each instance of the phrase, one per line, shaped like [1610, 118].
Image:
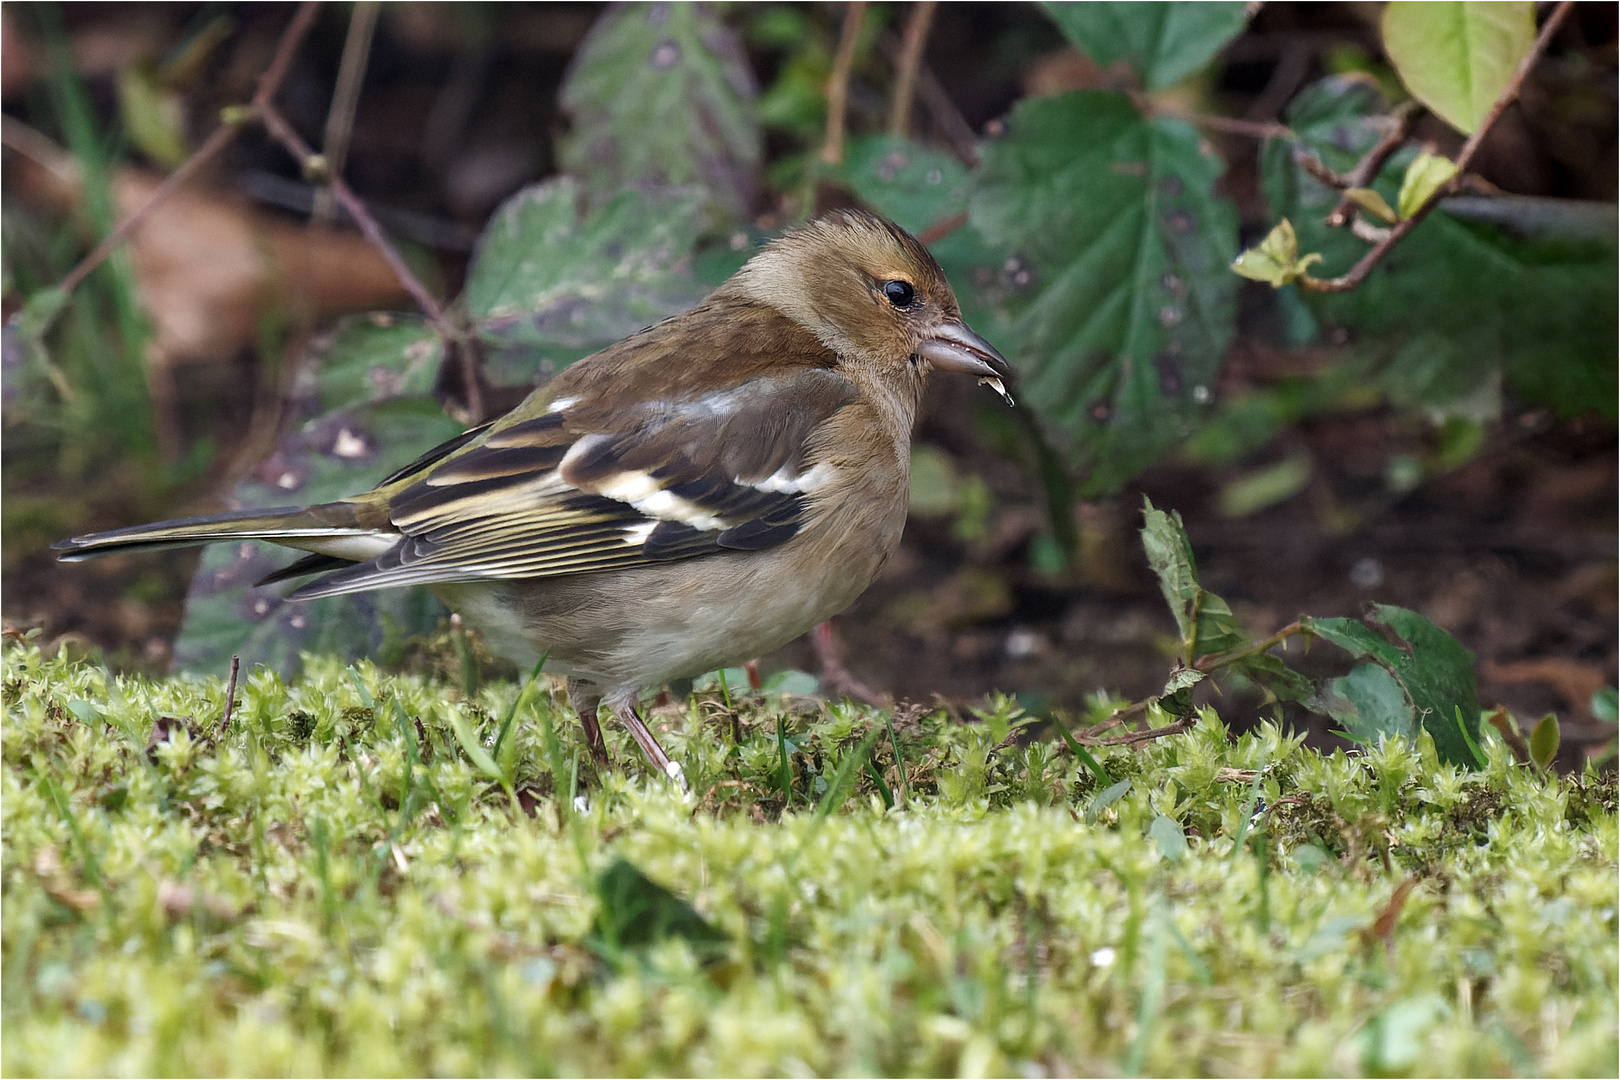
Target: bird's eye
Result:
[899, 293]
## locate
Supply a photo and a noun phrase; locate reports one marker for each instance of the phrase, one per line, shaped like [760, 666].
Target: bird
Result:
[700, 493]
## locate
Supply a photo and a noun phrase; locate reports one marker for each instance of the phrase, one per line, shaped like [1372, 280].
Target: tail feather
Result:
[329, 529]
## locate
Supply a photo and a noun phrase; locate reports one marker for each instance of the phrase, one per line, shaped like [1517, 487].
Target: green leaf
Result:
[1425, 176]
[1254, 491]
[1106, 798]
[663, 94]
[635, 911]
[1606, 705]
[1113, 247]
[1430, 682]
[1164, 43]
[913, 185]
[1206, 622]
[552, 283]
[1169, 837]
[153, 115]
[1368, 703]
[361, 410]
[1276, 261]
[1369, 200]
[1457, 58]
[1510, 293]
[1275, 677]
[1544, 739]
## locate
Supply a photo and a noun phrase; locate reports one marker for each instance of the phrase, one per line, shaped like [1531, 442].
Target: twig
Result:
[958, 132]
[232, 122]
[1186, 723]
[284, 133]
[230, 695]
[911, 52]
[1367, 169]
[832, 150]
[345, 99]
[1219, 660]
[1359, 272]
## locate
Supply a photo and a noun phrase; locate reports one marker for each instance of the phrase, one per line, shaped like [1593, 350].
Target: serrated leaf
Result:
[1457, 58]
[1464, 305]
[1432, 671]
[1371, 201]
[663, 94]
[913, 185]
[1544, 738]
[1164, 43]
[1113, 247]
[1206, 622]
[1276, 260]
[1426, 175]
[552, 282]
[360, 410]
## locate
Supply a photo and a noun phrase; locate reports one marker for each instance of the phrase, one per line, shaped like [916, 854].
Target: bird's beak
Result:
[952, 346]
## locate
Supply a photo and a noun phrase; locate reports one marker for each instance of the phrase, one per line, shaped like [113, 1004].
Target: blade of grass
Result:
[1085, 756]
[899, 760]
[517, 702]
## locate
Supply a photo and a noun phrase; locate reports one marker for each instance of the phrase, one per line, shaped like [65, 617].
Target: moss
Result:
[334, 885]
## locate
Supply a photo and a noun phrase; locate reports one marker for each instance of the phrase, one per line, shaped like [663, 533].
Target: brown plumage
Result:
[697, 494]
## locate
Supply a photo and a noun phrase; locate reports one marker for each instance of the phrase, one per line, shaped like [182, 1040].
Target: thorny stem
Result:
[233, 122]
[1358, 273]
[911, 52]
[832, 151]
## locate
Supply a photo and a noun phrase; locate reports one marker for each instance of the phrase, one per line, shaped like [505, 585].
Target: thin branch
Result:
[932, 96]
[1359, 272]
[832, 150]
[345, 99]
[911, 53]
[1367, 169]
[288, 137]
[230, 696]
[1213, 661]
[232, 122]
[1186, 723]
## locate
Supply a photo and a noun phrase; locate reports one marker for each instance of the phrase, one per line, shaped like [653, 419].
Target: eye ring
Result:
[901, 294]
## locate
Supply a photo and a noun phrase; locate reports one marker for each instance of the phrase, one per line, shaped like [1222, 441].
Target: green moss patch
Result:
[353, 877]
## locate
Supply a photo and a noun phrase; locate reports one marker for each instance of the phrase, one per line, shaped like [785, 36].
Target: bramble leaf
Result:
[1164, 43]
[1113, 246]
[553, 282]
[663, 94]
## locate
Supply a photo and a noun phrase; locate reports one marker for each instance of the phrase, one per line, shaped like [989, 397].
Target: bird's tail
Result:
[331, 529]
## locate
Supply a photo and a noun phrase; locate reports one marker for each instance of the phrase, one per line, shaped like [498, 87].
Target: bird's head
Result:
[875, 296]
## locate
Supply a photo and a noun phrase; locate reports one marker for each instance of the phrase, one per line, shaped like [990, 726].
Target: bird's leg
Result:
[585, 698]
[624, 707]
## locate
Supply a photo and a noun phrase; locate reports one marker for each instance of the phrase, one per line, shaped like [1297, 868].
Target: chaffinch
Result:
[700, 493]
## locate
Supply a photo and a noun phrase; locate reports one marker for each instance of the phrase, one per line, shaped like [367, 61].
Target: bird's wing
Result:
[567, 491]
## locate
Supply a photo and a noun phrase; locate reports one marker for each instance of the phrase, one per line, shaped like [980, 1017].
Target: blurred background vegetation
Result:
[561, 174]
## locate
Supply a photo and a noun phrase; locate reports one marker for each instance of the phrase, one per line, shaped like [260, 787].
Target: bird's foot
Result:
[626, 712]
